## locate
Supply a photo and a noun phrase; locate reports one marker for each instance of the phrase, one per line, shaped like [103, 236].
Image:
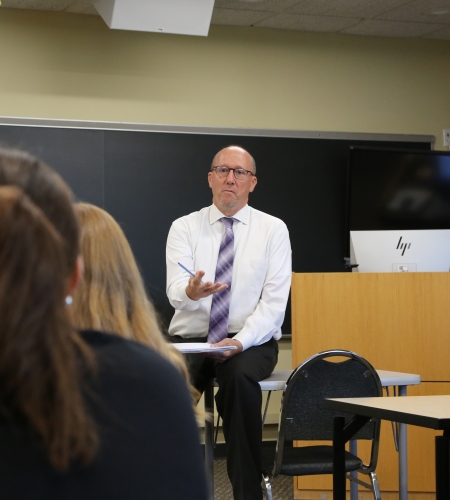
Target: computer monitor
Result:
[398, 210]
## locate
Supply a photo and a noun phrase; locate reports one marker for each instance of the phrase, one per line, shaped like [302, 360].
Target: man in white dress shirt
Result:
[258, 293]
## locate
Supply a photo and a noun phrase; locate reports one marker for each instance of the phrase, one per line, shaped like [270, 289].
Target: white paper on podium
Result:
[197, 347]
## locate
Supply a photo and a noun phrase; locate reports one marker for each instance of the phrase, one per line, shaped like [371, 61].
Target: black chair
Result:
[303, 418]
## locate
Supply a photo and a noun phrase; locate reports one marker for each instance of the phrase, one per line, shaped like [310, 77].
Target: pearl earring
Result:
[69, 300]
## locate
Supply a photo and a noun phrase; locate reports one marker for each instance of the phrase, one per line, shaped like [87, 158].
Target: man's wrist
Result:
[189, 293]
[188, 300]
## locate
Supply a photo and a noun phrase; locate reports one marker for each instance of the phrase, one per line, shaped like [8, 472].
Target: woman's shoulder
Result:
[133, 376]
[136, 397]
[133, 379]
[125, 356]
[106, 340]
[109, 341]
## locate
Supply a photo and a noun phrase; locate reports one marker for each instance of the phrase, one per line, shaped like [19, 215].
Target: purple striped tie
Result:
[218, 322]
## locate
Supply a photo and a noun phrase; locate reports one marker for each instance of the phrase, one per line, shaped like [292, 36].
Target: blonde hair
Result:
[112, 297]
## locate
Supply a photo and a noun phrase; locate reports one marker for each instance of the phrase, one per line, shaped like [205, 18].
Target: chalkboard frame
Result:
[298, 180]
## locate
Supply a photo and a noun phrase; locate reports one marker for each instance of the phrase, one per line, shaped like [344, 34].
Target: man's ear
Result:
[76, 276]
[209, 179]
[253, 184]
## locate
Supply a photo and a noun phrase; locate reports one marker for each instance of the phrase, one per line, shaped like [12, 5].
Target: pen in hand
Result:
[187, 270]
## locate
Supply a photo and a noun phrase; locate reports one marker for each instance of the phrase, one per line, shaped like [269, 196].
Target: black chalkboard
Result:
[147, 179]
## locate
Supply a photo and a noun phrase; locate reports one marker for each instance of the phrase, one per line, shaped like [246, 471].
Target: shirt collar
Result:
[242, 216]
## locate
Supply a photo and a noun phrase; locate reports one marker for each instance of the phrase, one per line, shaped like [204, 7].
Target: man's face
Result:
[229, 193]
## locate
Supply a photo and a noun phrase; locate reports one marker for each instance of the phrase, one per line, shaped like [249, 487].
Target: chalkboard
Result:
[148, 178]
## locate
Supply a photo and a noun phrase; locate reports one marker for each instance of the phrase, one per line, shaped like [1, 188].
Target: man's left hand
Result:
[223, 356]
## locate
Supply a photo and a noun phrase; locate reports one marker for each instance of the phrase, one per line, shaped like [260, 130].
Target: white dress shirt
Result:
[261, 280]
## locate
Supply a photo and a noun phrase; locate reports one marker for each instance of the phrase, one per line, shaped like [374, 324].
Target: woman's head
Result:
[47, 190]
[32, 264]
[40, 353]
[111, 296]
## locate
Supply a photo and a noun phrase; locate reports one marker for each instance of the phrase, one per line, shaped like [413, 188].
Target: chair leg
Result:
[376, 486]
[217, 431]
[265, 408]
[209, 438]
[267, 487]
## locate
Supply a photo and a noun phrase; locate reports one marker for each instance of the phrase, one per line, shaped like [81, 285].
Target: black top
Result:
[149, 439]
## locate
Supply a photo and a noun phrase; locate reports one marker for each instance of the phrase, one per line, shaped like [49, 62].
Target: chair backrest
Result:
[303, 416]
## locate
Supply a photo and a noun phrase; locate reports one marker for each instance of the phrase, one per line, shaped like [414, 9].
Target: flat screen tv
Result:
[398, 210]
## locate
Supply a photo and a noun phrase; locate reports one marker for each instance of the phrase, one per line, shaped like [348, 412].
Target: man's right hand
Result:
[197, 290]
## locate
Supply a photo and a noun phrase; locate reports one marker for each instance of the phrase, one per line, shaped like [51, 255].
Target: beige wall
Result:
[57, 65]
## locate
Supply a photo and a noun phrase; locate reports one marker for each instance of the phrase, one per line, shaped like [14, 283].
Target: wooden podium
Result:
[398, 322]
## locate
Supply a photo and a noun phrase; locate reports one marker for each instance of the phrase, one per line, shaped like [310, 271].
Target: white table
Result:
[277, 382]
[424, 411]
[399, 382]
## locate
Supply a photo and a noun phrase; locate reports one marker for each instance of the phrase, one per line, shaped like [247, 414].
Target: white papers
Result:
[196, 347]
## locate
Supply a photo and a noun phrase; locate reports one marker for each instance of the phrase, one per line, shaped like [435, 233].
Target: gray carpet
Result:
[282, 486]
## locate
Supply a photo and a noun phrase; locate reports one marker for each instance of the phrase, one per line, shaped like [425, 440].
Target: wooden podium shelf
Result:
[398, 322]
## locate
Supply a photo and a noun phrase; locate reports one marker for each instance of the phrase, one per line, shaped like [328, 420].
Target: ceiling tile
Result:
[306, 23]
[420, 11]
[37, 4]
[264, 5]
[82, 7]
[440, 35]
[374, 27]
[237, 17]
[345, 8]
[402, 18]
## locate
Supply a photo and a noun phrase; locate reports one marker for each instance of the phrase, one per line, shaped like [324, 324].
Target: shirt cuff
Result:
[246, 339]
[184, 303]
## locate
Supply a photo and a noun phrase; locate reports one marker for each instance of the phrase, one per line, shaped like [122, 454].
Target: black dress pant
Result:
[238, 401]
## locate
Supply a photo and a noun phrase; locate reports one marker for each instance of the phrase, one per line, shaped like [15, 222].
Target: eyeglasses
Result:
[239, 173]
